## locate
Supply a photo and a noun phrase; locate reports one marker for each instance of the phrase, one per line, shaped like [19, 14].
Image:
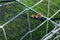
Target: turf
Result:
[18, 27]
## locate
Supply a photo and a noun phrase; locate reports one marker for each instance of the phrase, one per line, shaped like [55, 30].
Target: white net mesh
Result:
[16, 23]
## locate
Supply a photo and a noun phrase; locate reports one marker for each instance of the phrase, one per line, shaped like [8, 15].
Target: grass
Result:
[18, 27]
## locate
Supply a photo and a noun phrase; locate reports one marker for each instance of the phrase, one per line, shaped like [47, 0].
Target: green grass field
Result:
[18, 27]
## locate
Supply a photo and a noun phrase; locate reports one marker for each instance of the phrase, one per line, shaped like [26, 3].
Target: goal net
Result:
[16, 23]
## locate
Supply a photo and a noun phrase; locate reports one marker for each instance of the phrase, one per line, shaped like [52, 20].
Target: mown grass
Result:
[18, 27]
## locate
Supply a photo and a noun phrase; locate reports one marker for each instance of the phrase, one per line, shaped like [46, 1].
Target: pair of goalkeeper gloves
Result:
[38, 16]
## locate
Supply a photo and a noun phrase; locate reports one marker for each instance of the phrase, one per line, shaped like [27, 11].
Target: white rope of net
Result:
[56, 37]
[6, 4]
[29, 8]
[36, 12]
